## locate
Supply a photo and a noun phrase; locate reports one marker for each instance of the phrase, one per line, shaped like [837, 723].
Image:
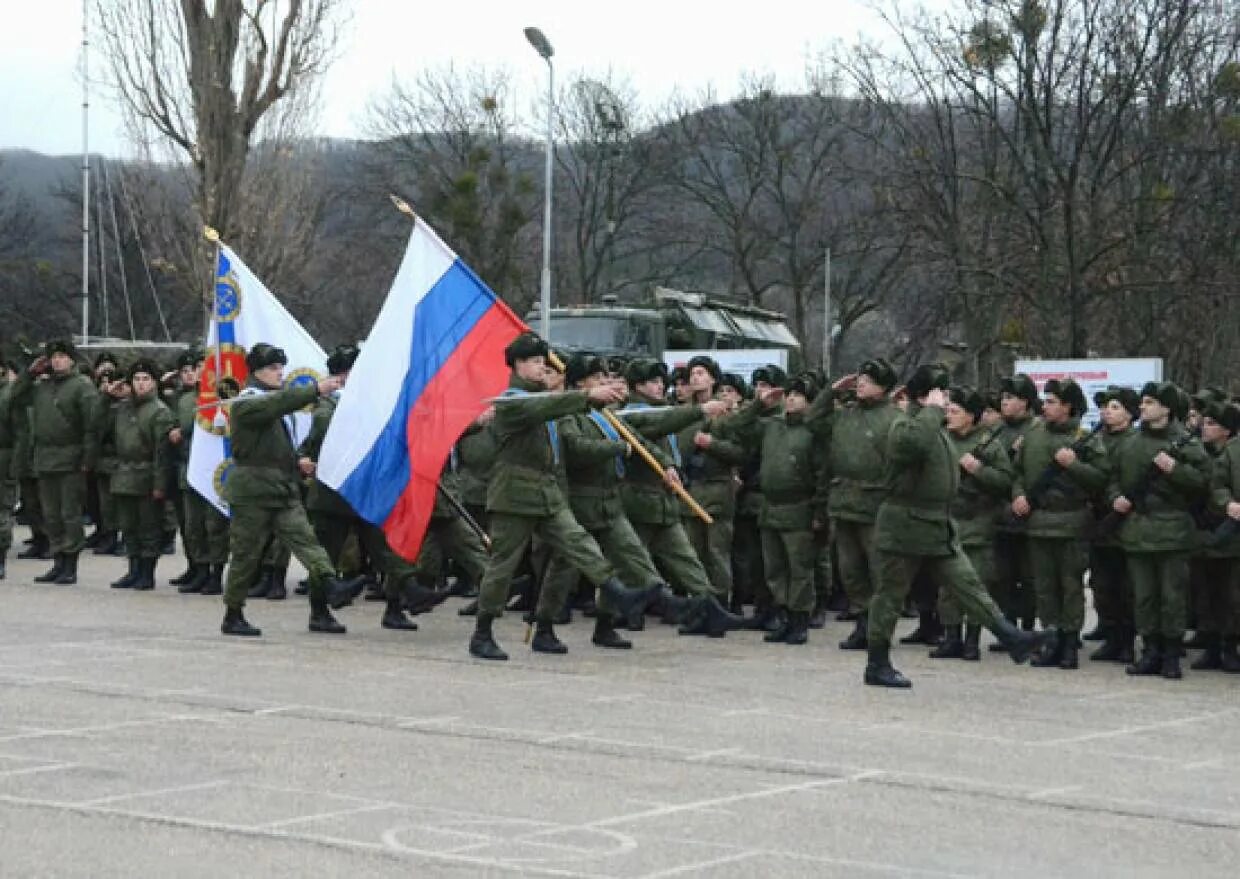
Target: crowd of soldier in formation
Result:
[694, 497]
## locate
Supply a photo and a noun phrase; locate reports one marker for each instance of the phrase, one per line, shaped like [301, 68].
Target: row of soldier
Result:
[998, 504]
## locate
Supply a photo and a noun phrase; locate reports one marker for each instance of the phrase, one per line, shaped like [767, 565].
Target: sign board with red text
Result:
[1095, 375]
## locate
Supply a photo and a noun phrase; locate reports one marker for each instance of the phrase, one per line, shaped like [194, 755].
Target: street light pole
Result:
[542, 46]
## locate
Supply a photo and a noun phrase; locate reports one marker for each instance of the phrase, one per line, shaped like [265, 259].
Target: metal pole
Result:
[85, 171]
[545, 303]
[826, 318]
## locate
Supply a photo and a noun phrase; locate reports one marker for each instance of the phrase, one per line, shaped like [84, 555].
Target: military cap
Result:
[880, 371]
[1225, 414]
[679, 374]
[1022, 386]
[708, 364]
[968, 399]
[643, 370]
[189, 357]
[1066, 390]
[1204, 397]
[1164, 392]
[805, 385]
[582, 366]
[263, 355]
[1126, 397]
[734, 381]
[143, 365]
[990, 400]
[102, 358]
[523, 347]
[926, 378]
[342, 358]
[772, 374]
[61, 346]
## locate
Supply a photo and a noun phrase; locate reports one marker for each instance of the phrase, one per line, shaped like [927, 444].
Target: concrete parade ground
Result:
[135, 740]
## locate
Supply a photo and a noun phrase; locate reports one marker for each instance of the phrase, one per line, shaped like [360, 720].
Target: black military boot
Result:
[93, 540]
[545, 640]
[185, 576]
[1229, 655]
[1199, 641]
[972, 644]
[1150, 662]
[1020, 643]
[3, 558]
[146, 576]
[1099, 632]
[235, 624]
[58, 565]
[719, 620]
[127, 581]
[463, 587]
[278, 591]
[340, 593]
[106, 544]
[196, 583]
[625, 601]
[1069, 651]
[605, 635]
[775, 620]
[482, 643]
[420, 598]
[880, 673]
[1211, 659]
[780, 635]
[952, 646]
[928, 630]
[1051, 652]
[394, 616]
[818, 619]
[40, 548]
[1171, 662]
[215, 581]
[68, 573]
[373, 589]
[1111, 647]
[321, 619]
[1126, 638]
[169, 545]
[857, 640]
[302, 587]
[798, 628]
[262, 585]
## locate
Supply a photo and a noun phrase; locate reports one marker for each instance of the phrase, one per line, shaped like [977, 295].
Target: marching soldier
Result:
[985, 484]
[1225, 500]
[915, 533]
[65, 441]
[1108, 565]
[141, 424]
[1161, 472]
[525, 497]
[264, 493]
[1058, 514]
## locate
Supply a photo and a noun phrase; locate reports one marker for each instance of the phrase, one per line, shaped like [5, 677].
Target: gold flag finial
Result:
[210, 234]
[402, 206]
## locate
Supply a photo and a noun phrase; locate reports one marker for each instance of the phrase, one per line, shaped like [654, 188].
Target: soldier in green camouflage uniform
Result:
[1059, 519]
[1161, 472]
[1108, 564]
[1201, 593]
[749, 574]
[9, 418]
[65, 441]
[1225, 501]
[102, 507]
[1018, 404]
[985, 482]
[1214, 560]
[915, 532]
[526, 497]
[140, 428]
[448, 537]
[264, 493]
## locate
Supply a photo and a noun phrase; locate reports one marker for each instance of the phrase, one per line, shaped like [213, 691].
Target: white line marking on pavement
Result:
[108, 727]
[564, 737]
[1133, 730]
[702, 865]
[392, 841]
[1052, 791]
[707, 755]
[412, 722]
[302, 819]
[277, 709]
[33, 770]
[185, 788]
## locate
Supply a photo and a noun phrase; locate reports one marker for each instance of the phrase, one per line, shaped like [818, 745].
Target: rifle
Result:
[1050, 473]
[1113, 519]
[465, 517]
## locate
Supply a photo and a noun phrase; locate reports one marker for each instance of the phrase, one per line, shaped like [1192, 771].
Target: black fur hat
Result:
[804, 384]
[1126, 397]
[643, 370]
[1164, 392]
[524, 346]
[342, 358]
[734, 381]
[926, 378]
[707, 363]
[145, 366]
[882, 372]
[968, 399]
[61, 346]
[190, 357]
[1022, 386]
[1067, 391]
[263, 355]
[581, 366]
[772, 374]
[1226, 414]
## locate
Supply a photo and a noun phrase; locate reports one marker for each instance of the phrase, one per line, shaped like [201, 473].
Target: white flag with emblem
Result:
[245, 314]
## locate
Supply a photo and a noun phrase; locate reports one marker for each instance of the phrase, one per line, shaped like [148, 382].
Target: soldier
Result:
[914, 531]
[1199, 592]
[100, 505]
[985, 485]
[1210, 570]
[526, 498]
[855, 473]
[448, 536]
[1058, 518]
[732, 390]
[10, 415]
[711, 459]
[140, 428]
[1108, 566]
[475, 456]
[1225, 500]
[679, 384]
[748, 572]
[264, 493]
[792, 509]
[1018, 403]
[65, 440]
[1161, 472]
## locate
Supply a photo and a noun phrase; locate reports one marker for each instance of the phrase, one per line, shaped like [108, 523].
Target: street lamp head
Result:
[540, 42]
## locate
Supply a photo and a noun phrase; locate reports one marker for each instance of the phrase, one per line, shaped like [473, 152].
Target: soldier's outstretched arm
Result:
[517, 413]
[658, 422]
[260, 408]
[577, 445]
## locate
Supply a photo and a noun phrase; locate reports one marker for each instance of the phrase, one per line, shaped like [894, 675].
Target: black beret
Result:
[772, 374]
[880, 371]
[342, 358]
[61, 346]
[804, 384]
[643, 370]
[144, 365]
[1066, 390]
[581, 366]
[927, 377]
[263, 355]
[708, 364]
[734, 381]
[1022, 386]
[1126, 397]
[1226, 414]
[524, 346]
[968, 399]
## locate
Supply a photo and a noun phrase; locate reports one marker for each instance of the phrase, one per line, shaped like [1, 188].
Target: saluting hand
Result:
[174, 436]
[769, 397]
[937, 397]
[330, 385]
[714, 408]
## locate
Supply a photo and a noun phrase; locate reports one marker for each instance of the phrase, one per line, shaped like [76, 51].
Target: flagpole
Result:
[214, 237]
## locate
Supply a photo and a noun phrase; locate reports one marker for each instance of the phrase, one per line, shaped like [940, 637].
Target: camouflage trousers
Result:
[854, 547]
[1112, 589]
[953, 574]
[674, 556]
[141, 521]
[982, 558]
[206, 530]
[252, 528]
[451, 539]
[789, 558]
[621, 546]
[62, 497]
[1160, 593]
[1059, 575]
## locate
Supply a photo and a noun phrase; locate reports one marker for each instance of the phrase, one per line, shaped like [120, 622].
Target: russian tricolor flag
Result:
[434, 355]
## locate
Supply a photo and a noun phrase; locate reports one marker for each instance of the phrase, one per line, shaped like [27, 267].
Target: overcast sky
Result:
[660, 45]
